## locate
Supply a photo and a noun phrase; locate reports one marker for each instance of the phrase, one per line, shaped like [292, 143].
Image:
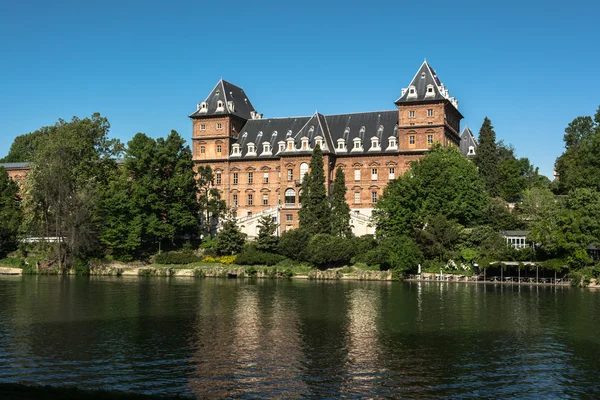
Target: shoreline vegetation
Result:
[89, 203]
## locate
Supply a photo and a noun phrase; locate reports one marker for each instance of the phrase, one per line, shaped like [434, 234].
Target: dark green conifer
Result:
[340, 210]
[487, 159]
[315, 214]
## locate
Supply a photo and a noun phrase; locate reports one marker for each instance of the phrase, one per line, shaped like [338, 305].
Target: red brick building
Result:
[259, 163]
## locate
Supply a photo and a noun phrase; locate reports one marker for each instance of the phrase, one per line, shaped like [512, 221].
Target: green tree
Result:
[401, 254]
[230, 239]
[10, 213]
[153, 200]
[441, 183]
[24, 146]
[487, 158]
[579, 165]
[439, 238]
[340, 210]
[212, 208]
[293, 244]
[72, 166]
[315, 214]
[267, 239]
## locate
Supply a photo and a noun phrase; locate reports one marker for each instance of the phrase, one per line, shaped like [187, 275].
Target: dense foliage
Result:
[10, 213]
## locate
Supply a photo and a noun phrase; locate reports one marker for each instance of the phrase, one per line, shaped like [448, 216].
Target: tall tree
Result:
[487, 158]
[24, 146]
[442, 183]
[315, 214]
[153, 200]
[72, 165]
[340, 210]
[10, 213]
[230, 239]
[267, 239]
[579, 165]
[212, 207]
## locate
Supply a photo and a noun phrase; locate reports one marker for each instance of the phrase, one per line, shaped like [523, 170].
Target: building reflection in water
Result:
[258, 352]
[363, 366]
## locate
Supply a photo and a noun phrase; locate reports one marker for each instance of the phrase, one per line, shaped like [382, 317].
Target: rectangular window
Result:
[373, 174]
[356, 197]
[429, 139]
[266, 177]
[265, 199]
[250, 199]
[411, 114]
[290, 174]
[392, 173]
[218, 178]
[411, 139]
[357, 174]
[250, 177]
[249, 213]
[203, 127]
[430, 112]
[202, 149]
[235, 178]
[219, 148]
[235, 200]
[234, 214]
[219, 126]
[289, 217]
[373, 197]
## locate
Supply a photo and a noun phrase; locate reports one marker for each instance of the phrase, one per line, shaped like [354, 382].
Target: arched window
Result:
[303, 170]
[290, 197]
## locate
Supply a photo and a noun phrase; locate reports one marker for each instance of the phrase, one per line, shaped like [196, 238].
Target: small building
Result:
[593, 251]
[517, 239]
[17, 171]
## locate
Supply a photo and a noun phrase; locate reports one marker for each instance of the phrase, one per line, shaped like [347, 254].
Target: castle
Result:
[259, 163]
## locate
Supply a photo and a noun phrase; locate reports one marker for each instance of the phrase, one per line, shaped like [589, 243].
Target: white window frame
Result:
[392, 173]
[356, 197]
[374, 174]
[357, 174]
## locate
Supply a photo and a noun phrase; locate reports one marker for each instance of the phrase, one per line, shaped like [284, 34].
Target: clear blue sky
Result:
[530, 66]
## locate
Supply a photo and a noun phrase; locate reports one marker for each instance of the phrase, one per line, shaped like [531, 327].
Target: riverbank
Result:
[213, 270]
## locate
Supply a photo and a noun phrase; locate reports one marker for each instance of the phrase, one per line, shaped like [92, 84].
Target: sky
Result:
[530, 66]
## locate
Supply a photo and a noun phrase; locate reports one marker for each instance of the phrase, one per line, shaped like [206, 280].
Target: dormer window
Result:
[362, 130]
[430, 91]
[304, 142]
[341, 145]
[319, 142]
[471, 150]
[393, 144]
[231, 106]
[374, 144]
[251, 149]
[290, 144]
[311, 130]
[202, 107]
[220, 106]
[288, 134]
[281, 146]
[235, 150]
[266, 149]
[412, 91]
[357, 144]
[347, 131]
[380, 130]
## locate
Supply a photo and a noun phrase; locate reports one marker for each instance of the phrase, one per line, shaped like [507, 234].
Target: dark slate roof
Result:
[467, 139]
[364, 126]
[230, 95]
[514, 233]
[417, 90]
[380, 124]
[16, 165]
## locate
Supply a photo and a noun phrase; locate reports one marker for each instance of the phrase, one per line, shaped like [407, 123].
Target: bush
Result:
[325, 250]
[361, 245]
[251, 256]
[80, 267]
[293, 244]
[175, 258]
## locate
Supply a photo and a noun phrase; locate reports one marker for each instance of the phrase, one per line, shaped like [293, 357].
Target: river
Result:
[274, 338]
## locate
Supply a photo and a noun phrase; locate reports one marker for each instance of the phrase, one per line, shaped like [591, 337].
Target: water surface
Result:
[267, 338]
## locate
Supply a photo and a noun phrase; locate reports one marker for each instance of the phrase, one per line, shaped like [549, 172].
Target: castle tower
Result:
[217, 120]
[427, 114]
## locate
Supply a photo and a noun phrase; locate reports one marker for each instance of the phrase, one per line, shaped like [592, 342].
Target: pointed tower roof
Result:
[426, 86]
[467, 142]
[226, 99]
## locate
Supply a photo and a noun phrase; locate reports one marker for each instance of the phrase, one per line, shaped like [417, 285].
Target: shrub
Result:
[361, 245]
[293, 243]
[80, 267]
[175, 258]
[325, 250]
[251, 256]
